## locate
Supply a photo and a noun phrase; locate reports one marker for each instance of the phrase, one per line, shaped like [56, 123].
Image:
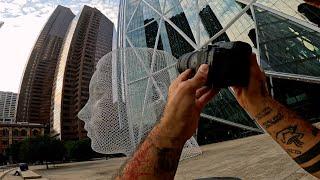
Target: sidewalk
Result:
[257, 157]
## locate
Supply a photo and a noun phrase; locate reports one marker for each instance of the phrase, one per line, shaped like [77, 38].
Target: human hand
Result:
[253, 97]
[186, 98]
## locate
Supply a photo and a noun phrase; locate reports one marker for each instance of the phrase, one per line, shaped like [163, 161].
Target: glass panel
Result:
[303, 10]
[225, 106]
[191, 9]
[225, 11]
[212, 132]
[142, 27]
[286, 46]
[211, 23]
[178, 44]
[311, 12]
[301, 97]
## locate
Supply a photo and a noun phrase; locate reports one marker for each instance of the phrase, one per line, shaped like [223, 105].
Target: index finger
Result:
[184, 76]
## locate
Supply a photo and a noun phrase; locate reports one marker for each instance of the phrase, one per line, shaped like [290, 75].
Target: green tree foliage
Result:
[3, 159]
[37, 150]
[43, 149]
[13, 152]
[79, 150]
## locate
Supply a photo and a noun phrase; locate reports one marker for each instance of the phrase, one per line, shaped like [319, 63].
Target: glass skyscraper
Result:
[36, 85]
[284, 34]
[89, 37]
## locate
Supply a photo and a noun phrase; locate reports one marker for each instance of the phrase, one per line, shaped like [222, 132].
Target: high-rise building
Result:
[285, 37]
[88, 39]
[8, 106]
[35, 90]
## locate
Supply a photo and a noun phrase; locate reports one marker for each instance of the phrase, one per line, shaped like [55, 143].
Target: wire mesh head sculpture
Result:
[128, 92]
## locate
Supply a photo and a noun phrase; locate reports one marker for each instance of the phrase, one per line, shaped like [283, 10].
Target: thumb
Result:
[201, 76]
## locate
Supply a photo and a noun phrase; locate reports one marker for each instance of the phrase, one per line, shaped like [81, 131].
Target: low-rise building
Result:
[11, 133]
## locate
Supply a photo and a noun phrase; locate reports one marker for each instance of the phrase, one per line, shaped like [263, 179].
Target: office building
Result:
[89, 38]
[8, 107]
[35, 90]
[287, 41]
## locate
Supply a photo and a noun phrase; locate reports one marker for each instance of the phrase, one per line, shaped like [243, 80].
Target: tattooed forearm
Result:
[296, 136]
[293, 151]
[274, 120]
[168, 160]
[290, 135]
[151, 162]
[265, 112]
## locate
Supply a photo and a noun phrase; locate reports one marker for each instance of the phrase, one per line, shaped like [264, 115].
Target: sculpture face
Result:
[121, 111]
[108, 132]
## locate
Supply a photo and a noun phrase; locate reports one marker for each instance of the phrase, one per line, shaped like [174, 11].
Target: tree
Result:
[41, 149]
[13, 152]
[79, 150]
[3, 159]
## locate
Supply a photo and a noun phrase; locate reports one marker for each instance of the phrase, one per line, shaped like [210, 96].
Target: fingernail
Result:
[204, 68]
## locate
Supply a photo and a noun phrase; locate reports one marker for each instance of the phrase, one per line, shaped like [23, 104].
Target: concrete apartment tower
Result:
[35, 90]
[8, 106]
[88, 39]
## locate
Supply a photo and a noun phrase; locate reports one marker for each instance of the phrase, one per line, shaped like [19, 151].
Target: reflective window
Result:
[301, 97]
[5, 132]
[35, 132]
[287, 46]
[15, 132]
[212, 132]
[225, 106]
[23, 132]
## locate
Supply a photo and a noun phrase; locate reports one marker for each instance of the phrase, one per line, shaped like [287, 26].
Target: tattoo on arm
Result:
[312, 153]
[309, 155]
[274, 120]
[151, 161]
[266, 111]
[290, 135]
[168, 160]
[293, 151]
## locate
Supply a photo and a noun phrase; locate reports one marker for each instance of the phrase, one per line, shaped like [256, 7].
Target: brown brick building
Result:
[35, 90]
[11, 133]
[89, 38]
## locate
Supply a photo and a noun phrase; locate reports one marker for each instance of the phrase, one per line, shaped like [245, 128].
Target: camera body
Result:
[229, 63]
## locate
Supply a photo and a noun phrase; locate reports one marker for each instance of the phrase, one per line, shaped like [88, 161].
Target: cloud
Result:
[17, 38]
[16, 8]
[24, 20]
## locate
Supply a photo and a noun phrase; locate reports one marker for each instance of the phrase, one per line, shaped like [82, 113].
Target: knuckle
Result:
[202, 78]
[184, 85]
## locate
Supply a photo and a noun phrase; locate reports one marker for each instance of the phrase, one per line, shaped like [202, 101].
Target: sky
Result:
[23, 22]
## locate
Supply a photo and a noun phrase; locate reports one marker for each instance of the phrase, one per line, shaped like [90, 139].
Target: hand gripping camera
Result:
[229, 63]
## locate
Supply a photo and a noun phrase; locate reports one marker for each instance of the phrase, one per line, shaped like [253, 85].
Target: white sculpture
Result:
[128, 93]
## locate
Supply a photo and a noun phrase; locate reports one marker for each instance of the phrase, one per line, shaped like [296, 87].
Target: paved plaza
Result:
[256, 157]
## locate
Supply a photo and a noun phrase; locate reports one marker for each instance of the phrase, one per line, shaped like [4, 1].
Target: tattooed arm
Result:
[158, 156]
[297, 137]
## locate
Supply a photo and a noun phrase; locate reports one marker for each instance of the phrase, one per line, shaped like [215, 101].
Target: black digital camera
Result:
[229, 63]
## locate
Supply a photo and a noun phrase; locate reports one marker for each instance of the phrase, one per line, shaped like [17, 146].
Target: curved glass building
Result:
[285, 35]
[89, 37]
[35, 90]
